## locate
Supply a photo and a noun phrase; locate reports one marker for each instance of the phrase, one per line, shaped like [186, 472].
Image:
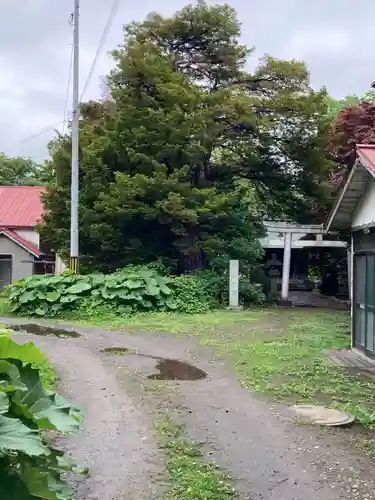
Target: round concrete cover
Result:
[324, 416]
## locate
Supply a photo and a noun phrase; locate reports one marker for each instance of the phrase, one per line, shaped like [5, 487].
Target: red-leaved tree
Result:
[353, 125]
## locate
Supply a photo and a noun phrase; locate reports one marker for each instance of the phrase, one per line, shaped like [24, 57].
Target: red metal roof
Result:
[12, 235]
[20, 206]
[366, 153]
[353, 190]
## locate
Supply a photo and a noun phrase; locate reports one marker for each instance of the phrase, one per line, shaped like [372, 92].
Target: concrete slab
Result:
[351, 358]
[314, 299]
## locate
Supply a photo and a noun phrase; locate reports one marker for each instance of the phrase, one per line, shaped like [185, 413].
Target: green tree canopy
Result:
[190, 151]
[19, 171]
[335, 105]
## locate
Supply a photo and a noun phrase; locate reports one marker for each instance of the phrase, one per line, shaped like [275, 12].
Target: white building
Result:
[354, 211]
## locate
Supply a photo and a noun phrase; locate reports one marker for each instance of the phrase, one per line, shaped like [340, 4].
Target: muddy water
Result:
[118, 351]
[169, 369]
[43, 330]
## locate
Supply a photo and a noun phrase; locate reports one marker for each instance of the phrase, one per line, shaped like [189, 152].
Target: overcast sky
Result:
[336, 40]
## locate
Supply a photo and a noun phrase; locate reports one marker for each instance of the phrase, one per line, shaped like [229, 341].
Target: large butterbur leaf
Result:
[43, 483]
[28, 296]
[13, 488]
[50, 412]
[152, 290]
[4, 403]
[57, 461]
[78, 288]
[42, 310]
[132, 283]
[97, 279]
[108, 293]
[16, 436]
[27, 353]
[10, 377]
[52, 296]
[171, 304]
[66, 299]
[29, 469]
[165, 289]
[46, 409]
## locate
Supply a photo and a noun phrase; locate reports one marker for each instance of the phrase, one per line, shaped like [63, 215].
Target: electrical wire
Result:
[68, 91]
[107, 28]
[65, 119]
[41, 132]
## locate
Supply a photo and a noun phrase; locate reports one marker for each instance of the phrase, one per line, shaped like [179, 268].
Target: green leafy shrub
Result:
[258, 275]
[207, 290]
[4, 305]
[192, 295]
[127, 291]
[29, 468]
[251, 293]
[132, 289]
[217, 285]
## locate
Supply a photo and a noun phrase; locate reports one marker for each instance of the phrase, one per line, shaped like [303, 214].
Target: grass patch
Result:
[188, 474]
[293, 368]
[5, 309]
[48, 375]
[219, 322]
[276, 352]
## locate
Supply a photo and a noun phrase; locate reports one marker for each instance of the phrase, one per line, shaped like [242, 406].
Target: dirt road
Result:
[269, 456]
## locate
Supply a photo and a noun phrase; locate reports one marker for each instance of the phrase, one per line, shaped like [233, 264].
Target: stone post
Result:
[233, 284]
[286, 266]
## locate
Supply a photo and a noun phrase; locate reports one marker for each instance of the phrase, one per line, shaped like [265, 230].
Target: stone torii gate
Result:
[287, 236]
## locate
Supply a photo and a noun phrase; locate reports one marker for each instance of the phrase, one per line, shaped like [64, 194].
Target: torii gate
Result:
[287, 235]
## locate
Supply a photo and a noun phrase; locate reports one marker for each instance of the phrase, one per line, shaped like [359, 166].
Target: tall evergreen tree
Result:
[169, 160]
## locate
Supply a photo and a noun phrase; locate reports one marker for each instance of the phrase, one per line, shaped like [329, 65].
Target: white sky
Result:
[335, 39]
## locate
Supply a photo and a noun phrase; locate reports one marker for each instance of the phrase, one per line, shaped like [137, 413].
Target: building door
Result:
[364, 302]
[5, 270]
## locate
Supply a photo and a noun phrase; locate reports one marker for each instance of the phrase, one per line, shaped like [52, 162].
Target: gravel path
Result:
[116, 441]
[269, 456]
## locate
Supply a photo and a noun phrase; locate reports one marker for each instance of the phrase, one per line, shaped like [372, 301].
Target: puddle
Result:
[117, 351]
[171, 369]
[43, 330]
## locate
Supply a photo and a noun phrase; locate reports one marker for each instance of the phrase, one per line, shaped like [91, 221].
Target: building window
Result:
[43, 267]
[5, 270]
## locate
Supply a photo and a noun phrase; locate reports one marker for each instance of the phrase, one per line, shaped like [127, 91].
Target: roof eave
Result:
[27, 247]
[327, 225]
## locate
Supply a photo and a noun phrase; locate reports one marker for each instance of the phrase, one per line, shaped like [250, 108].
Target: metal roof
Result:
[20, 206]
[27, 245]
[353, 190]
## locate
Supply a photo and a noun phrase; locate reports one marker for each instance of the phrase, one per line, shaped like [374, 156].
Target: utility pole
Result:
[74, 231]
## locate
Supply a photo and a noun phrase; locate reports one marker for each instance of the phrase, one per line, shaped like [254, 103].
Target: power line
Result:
[68, 90]
[107, 28]
[65, 119]
[41, 132]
